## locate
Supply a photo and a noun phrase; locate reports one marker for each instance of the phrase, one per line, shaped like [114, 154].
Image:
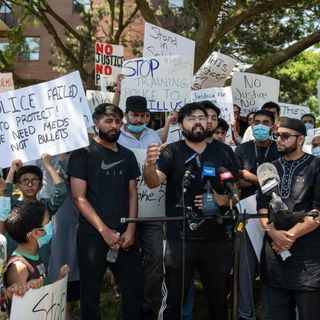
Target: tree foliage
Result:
[73, 49]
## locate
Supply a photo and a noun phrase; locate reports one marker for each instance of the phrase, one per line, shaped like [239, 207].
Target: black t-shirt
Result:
[107, 174]
[300, 191]
[249, 157]
[234, 163]
[171, 163]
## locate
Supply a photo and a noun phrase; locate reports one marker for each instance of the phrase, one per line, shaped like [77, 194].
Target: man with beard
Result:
[103, 183]
[207, 248]
[290, 257]
[136, 134]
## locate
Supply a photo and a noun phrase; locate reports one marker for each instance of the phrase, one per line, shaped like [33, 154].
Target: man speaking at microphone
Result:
[290, 258]
[207, 248]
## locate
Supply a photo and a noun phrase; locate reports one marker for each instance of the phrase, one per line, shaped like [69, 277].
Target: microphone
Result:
[209, 206]
[191, 163]
[269, 179]
[226, 180]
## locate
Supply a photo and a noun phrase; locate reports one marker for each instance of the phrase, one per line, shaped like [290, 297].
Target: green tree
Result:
[73, 48]
[298, 78]
[261, 33]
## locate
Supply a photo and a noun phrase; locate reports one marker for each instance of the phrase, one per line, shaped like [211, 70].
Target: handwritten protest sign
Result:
[48, 302]
[214, 72]
[248, 89]
[97, 97]
[108, 63]
[161, 42]
[6, 82]
[151, 201]
[221, 97]
[292, 110]
[163, 81]
[50, 117]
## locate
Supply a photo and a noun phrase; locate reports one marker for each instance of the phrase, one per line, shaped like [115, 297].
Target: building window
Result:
[4, 43]
[176, 3]
[31, 51]
[5, 8]
[76, 5]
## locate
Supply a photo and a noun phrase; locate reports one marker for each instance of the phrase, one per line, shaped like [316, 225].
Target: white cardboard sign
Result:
[318, 86]
[108, 62]
[98, 97]
[214, 72]
[6, 82]
[293, 110]
[253, 226]
[151, 202]
[163, 81]
[50, 117]
[161, 42]
[48, 302]
[249, 90]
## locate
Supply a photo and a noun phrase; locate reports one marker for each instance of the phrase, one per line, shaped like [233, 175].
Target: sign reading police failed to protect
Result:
[108, 63]
[163, 81]
[48, 302]
[292, 110]
[50, 117]
[6, 82]
[249, 89]
[151, 202]
[214, 72]
[161, 42]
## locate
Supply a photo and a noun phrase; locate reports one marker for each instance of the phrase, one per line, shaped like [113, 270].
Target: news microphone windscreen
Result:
[224, 174]
[208, 170]
[266, 172]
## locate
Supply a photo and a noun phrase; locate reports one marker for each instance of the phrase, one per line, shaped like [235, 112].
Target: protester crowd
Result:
[61, 214]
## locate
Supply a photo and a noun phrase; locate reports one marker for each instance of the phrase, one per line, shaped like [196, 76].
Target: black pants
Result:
[151, 240]
[280, 304]
[213, 260]
[92, 253]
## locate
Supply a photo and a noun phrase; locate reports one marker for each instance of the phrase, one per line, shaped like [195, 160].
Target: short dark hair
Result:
[222, 124]
[265, 112]
[309, 115]
[210, 105]
[249, 114]
[107, 109]
[23, 219]
[30, 169]
[271, 105]
[188, 108]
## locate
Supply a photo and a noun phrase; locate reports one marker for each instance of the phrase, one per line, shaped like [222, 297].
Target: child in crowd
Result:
[30, 226]
[29, 183]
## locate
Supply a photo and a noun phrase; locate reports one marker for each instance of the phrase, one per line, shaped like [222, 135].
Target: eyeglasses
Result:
[195, 118]
[284, 136]
[33, 182]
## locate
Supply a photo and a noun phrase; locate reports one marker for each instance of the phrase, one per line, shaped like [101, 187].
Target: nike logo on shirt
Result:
[109, 165]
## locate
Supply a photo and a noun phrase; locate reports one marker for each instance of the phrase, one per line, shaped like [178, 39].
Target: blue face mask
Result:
[48, 228]
[136, 129]
[261, 132]
[308, 126]
[316, 151]
[5, 206]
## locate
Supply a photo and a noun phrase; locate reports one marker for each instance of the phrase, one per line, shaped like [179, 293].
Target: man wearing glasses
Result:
[293, 280]
[207, 247]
